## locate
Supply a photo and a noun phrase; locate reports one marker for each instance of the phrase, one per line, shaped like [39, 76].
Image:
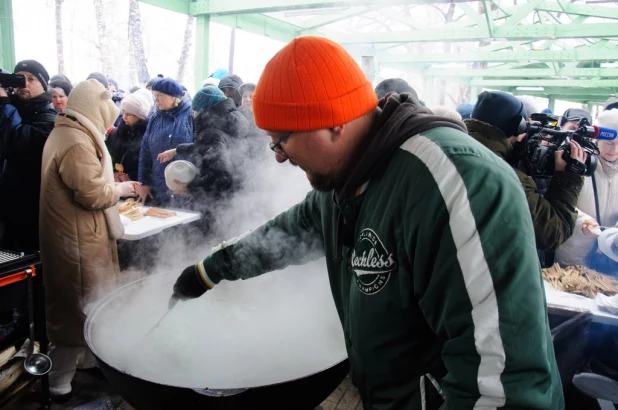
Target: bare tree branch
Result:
[59, 42]
[136, 44]
[186, 45]
[104, 45]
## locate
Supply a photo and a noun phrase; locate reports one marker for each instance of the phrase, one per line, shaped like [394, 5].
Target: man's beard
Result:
[319, 182]
[323, 183]
[24, 95]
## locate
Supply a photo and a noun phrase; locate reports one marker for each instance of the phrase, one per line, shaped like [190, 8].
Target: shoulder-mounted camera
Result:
[544, 137]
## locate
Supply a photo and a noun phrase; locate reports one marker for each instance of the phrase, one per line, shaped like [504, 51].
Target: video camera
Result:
[544, 137]
[117, 96]
[10, 82]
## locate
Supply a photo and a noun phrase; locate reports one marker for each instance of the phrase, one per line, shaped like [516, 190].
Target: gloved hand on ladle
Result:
[189, 284]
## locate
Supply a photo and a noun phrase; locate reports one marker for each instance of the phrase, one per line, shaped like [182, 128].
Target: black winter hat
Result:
[230, 81]
[501, 110]
[36, 69]
[394, 85]
[246, 87]
[100, 78]
[64, 85]
[575, 114]
[153, 79]
[60, 77]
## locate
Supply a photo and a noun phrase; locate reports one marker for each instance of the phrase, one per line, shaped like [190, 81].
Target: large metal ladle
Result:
[37, 364]
[170, 306]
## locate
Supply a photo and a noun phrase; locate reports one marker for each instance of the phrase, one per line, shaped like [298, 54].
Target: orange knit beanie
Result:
[312, 83]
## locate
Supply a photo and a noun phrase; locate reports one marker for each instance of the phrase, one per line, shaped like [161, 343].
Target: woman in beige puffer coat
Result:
[577, 249]
[79, 224]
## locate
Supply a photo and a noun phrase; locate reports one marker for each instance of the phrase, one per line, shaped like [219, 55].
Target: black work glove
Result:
[189, 285]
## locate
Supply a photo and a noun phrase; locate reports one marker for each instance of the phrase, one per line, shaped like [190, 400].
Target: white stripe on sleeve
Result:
[476, 274]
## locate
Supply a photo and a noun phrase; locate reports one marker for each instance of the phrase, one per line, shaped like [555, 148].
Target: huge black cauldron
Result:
[303, 392]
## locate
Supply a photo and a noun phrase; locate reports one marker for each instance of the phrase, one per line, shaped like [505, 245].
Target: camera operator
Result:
[494, 123]
[571, 117]
[25, 124]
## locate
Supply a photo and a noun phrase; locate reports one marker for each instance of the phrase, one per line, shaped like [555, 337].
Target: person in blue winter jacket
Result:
[170, 125]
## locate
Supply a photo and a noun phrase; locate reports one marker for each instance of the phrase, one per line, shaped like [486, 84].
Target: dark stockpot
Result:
[303, 393]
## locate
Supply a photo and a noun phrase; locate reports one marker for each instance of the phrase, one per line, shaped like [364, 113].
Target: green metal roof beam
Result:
[599, 98]
[489, 22]
[478, 19]
[521, 72]
[500, 46]
[398, 16]
[548, 82]
[521, 32]
[581, 10]
[505, 56]
[178, 6]
[570, 92]
[522, 12]
[261, 25]
[267, 6]
[310, 26]
[601, 43]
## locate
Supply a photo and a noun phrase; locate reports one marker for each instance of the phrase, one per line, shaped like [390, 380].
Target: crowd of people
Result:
[564, 207]
[69, 153]
[432, 227]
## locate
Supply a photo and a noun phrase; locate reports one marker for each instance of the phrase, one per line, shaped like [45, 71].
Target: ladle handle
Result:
[172, 303]
[170, 306]
[30, 311]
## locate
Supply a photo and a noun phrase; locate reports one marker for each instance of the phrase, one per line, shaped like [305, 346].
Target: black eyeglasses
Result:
[276, 146]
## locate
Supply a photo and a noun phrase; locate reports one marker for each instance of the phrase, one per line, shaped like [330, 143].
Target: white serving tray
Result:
[557, 299]
[148, 226]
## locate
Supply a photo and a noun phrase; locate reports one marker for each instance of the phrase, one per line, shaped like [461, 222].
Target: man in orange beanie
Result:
[429, 249]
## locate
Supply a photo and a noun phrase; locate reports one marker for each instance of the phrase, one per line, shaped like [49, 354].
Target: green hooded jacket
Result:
[433, 270]
[553, 215]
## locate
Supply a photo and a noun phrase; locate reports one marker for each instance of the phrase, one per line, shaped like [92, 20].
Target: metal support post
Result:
[474, 93]
[428, 96]
[7, 37]
[202, 49]
[552, 103]
[368, 65]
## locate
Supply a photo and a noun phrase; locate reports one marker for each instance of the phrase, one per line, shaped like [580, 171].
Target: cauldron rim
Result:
[100, 304]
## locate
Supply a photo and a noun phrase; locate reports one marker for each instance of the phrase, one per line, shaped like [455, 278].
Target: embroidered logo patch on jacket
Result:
[372, 263]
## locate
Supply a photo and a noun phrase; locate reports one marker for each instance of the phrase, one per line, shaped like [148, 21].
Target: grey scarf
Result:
[609, 168]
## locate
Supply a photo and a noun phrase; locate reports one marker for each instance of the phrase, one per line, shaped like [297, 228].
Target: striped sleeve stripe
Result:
[229, 242]
[204, 276]
[474, 267]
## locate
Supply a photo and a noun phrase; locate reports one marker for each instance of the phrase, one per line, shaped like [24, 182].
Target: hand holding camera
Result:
[574, 161]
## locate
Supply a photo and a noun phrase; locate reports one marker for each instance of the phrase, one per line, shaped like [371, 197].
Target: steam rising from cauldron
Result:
[276, 327]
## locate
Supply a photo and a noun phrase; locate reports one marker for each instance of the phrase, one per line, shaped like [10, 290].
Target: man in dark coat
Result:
[427, 244]
[25, 124]
[494, 123]
[219, 151]
[230, 86]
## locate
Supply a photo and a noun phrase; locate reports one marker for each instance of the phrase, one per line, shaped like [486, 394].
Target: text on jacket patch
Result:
[371, 262]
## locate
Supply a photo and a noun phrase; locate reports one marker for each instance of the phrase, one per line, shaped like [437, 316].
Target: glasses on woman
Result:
[276, 146]
[609, 144]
